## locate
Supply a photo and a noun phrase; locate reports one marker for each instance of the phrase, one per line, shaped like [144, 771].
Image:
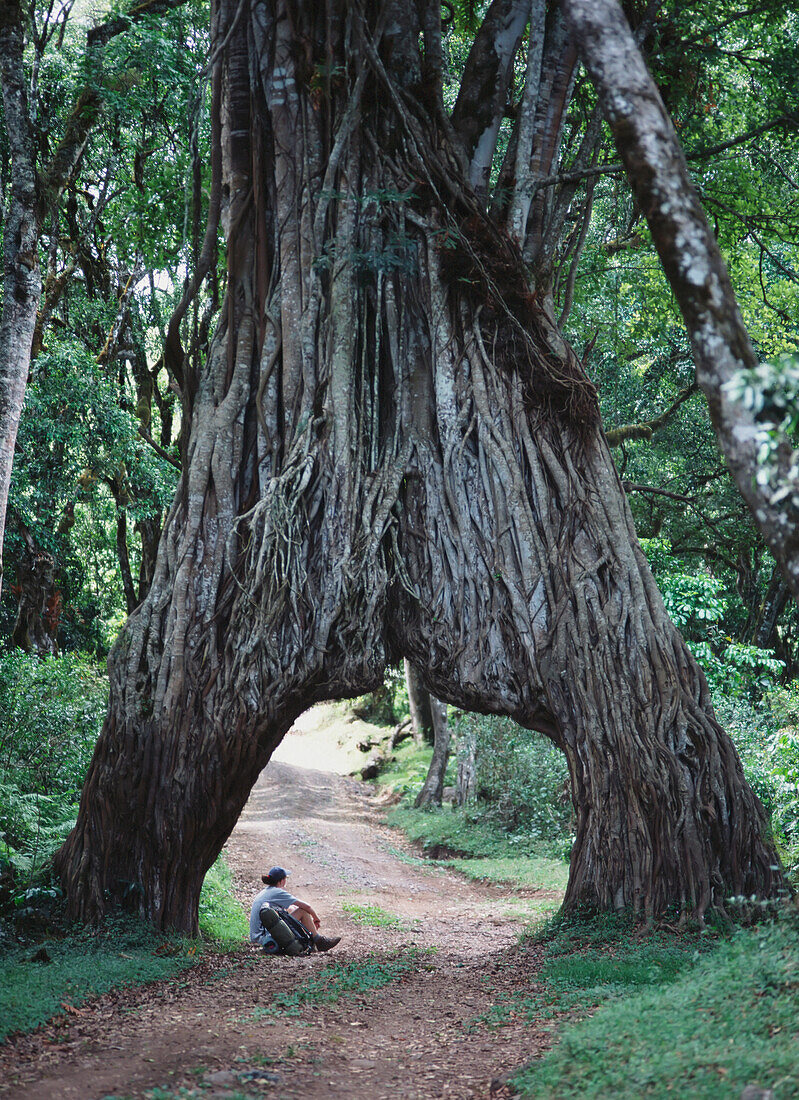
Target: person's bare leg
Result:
[304, 917]
[322, 943]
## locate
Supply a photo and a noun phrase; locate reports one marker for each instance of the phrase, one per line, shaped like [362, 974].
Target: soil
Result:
[440, 1029]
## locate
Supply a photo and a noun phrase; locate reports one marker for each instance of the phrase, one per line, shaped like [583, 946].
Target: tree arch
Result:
[394, 453]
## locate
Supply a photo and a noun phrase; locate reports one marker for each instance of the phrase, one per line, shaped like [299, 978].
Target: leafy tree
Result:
[691, 259]
[96, 455]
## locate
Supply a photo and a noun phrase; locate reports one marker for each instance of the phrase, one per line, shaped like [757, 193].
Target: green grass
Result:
[407, 770]
[481, 849]
[675, 1018]
[84, 965]
[371, 915]
[530, 872]
[343, 979]
[124, 952]
[221, 915]
[588, 962]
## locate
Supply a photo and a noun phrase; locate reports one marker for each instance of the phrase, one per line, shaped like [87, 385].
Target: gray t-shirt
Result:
[270, 895]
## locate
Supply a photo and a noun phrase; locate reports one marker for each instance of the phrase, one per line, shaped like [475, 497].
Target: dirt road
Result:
[423, 1015]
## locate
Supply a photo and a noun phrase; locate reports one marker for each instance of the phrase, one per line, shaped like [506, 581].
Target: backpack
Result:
[287, 935]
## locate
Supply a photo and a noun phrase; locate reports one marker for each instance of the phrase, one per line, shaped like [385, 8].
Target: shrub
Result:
[767, 739]
[51, 711]
[521, 778]
[388, 705]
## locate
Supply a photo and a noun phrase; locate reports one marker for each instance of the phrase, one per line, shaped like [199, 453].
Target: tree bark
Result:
[39, 601]
[393, 454]
[22, 281]
[433, 787]
[466, 780]
[420, 706]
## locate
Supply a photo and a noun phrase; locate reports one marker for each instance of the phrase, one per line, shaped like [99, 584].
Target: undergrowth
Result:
[665, 1014]
[343, 979]
[485, 840]
[56, 972]
[471, 843]
[60, 975]
[221, 915]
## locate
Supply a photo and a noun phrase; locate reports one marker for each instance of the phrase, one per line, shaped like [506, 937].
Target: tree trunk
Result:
[692, 262]
[773, 604]
[393, 454]
[39, 601]
[466, 781]
[433, 787]
[420, 705]
[22, 280]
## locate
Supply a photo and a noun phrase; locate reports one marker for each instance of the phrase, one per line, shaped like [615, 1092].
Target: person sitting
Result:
[277, 896]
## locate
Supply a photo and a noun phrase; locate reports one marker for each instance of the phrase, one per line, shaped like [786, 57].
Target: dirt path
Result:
[431, 1031]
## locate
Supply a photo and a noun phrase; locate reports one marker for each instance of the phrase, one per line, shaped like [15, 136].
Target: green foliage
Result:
[697, 604]
[115, 252]
[82, 965]
[783, 755]
[388, 705]
[221, 915]
[51, 711]
[673, 1017]
[343, 979]
[521, 778]
[770, 392]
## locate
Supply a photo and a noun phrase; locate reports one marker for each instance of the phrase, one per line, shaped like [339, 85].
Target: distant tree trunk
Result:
[466, 776]
[420, 706]
[38, 600]
[773, 604]
[692, 261]
[393, 453]
[149, 532]
[22, 280]
[433, 787]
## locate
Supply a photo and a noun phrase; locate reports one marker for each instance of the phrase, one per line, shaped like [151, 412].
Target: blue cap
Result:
[275, 875]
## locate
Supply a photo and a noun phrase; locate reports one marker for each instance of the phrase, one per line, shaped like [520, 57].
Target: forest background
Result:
[99, 448]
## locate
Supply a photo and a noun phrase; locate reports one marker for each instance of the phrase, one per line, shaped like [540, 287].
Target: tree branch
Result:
[633, 487]
[691, 259]
[483, 94]
[615, 169]
[102, 34]
[647, 428]
[159, 450]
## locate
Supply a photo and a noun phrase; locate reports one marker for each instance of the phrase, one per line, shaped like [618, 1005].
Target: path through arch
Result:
[422, 1036]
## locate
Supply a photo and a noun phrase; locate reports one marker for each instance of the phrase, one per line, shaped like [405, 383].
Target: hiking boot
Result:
[324, 943]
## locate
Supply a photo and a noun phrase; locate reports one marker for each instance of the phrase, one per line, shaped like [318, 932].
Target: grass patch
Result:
[590, 962]
[123, 952]
[221, 915]
[481, 849]
[371, 915]
[674, 1018]
[531, 872]
[343, 979]
[407, 770]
